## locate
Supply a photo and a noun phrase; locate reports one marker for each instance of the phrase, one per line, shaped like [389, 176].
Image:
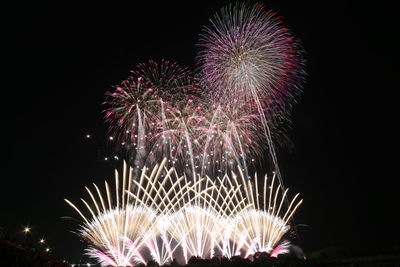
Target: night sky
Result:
[61, 60]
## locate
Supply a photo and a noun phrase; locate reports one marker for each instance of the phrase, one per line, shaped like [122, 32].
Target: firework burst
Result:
[144, 98]
[246, 52]
[151, 111]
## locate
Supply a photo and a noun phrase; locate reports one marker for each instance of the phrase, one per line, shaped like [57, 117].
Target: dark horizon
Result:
[61, 60]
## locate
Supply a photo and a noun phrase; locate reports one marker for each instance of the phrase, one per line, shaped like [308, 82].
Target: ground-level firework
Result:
[164, 215]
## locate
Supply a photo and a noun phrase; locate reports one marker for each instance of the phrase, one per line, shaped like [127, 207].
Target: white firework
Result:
[152, 217]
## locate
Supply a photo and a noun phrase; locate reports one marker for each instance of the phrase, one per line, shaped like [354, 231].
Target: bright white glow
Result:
[161, 211]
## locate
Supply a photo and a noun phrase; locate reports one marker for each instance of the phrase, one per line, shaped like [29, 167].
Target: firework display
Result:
[237, 106]
[191, 141]
[164, 215]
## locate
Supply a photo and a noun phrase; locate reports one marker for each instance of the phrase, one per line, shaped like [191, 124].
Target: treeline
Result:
[375, 261]
[13, 255]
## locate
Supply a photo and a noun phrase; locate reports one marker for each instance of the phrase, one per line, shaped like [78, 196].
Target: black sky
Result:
[61, 60]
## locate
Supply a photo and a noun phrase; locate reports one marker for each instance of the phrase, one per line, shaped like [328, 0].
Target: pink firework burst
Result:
[247, 53]
[148, 108]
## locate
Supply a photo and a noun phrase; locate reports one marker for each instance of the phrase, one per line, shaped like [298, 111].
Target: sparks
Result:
[163, 211]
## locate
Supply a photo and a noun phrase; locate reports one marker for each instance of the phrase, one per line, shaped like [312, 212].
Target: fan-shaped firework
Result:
[163, 211]
[119, 232]
[260, 219]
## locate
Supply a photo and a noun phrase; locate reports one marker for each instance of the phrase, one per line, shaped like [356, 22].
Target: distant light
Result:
[47, 249]
[105, 158]
[88, 136]
[116, 157]
[41, 241]
[111, 138]
[27, 229]
[88, 264]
